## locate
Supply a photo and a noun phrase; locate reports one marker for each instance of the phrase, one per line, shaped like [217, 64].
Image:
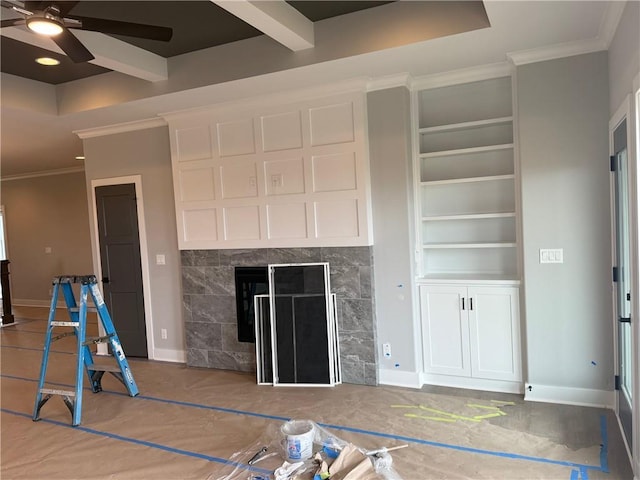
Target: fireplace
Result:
[250, 281]
[210, 309]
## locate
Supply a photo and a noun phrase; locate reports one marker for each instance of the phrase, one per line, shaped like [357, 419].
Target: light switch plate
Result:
[551, 255]
[160, 260]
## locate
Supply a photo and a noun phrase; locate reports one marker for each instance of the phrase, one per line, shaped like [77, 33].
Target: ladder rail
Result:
[84, 361]
[45, 353]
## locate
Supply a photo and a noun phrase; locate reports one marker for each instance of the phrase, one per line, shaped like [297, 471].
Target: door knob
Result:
[105, 279]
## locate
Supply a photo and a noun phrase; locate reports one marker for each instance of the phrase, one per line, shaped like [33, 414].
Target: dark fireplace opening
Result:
[250, 281]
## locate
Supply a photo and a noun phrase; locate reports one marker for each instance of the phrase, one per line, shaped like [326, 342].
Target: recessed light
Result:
[80, 157]
[47, 61]
[47, 25]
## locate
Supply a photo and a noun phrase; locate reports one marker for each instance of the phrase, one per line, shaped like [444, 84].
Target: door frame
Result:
[144, 253]
[624, 112]
[633, 142]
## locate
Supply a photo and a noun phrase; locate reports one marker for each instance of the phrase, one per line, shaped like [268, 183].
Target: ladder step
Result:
[51, 391]
[103, 368]
[65, 324]
[77, 309]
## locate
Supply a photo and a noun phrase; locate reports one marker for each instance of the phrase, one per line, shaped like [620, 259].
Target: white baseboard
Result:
[472, 383]
[29, 302]
[168, 355]
[399, 378]
[570, 396]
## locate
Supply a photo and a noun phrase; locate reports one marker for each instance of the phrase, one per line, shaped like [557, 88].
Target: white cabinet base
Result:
[472, 383]
[471, 336]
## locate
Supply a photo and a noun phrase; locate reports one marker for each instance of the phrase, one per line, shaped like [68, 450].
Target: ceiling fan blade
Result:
[72, 47]
[12, 22]
[63, 6]
[116, 27]
[35, 5]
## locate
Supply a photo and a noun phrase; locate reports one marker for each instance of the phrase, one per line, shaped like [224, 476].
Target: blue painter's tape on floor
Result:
[604, 449]
[166, 448]
[514, 456]
[575, 474]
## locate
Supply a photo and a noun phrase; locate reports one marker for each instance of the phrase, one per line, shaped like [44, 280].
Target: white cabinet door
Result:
[494, 333]
[445, 330]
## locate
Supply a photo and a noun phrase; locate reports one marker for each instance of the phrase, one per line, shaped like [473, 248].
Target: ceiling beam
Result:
[277, 19]
[109, 52]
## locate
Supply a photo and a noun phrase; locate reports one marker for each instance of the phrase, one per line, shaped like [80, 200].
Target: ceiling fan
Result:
[52, 19]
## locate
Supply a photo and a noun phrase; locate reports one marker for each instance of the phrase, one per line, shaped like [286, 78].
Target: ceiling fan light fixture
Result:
[47, 25]
[47, 61]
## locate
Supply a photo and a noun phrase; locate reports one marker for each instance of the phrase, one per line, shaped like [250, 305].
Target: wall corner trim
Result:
[399, 378]
[570, 396]
[121, 128]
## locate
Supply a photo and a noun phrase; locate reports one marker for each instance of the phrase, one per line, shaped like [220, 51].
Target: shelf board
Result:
[468, 216]
[467, 151]
[429, 246]
[466, 125]
[450, 181]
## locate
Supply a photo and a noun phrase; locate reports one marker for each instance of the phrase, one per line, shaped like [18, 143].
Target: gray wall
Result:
[389, 120]
[624, 56]
[147, 153]
[563, 133]
[40, 212]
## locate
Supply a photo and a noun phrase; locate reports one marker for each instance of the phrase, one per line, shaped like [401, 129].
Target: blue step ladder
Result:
[78, 320]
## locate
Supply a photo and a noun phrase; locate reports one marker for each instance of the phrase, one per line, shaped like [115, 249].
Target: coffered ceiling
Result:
[196, 25]
[221, 50]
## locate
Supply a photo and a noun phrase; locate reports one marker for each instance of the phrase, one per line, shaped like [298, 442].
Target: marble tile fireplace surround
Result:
[208, 296]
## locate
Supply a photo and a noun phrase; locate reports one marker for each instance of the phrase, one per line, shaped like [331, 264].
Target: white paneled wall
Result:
[272, 175]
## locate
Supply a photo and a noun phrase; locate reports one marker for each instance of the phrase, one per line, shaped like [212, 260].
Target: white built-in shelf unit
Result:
[467, 182]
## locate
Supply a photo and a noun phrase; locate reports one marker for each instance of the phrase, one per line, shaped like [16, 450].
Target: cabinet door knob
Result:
[463, 303]
[470, 303]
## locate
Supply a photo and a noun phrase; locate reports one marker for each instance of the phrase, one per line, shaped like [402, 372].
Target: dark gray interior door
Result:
[121, 266]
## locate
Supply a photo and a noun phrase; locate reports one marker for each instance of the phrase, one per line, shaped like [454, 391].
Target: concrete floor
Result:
[190, 423]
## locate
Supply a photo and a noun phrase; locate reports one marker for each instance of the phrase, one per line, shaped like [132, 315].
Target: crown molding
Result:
[610, 21]
[44, 173]
[554, 52]
[389, 81]
[464, 75]
[121, 128]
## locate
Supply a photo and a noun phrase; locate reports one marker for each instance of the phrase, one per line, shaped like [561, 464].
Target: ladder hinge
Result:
[616, 382]
[615, 274]
[612, 163]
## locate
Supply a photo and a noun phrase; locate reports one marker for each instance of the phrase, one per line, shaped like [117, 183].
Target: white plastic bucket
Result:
[298, 439]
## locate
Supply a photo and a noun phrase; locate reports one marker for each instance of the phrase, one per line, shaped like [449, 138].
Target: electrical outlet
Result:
[386, 350]
[163, 333]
